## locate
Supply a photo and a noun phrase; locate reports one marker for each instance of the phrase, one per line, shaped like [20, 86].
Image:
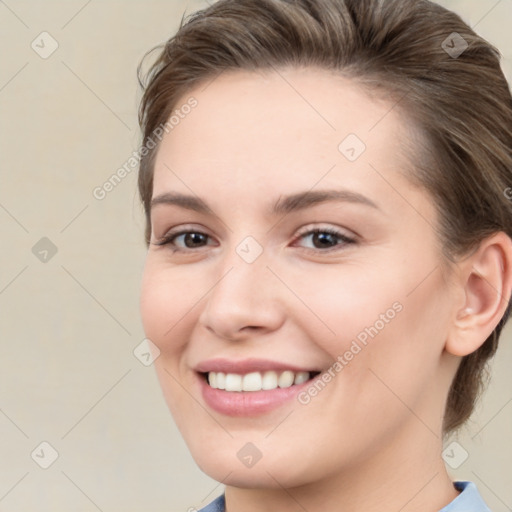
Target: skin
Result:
[372, 439]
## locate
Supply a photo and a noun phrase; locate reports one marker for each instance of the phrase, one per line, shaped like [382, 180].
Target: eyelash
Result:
[170, 237]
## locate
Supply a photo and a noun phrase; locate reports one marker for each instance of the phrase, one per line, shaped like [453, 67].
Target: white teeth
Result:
[233, 382]
[251, 382]
[220, 380]
[256, 381]
[269, 380]
[286, 379]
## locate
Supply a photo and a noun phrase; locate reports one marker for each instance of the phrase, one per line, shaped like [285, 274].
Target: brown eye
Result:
[184, 240]
[192, 239]
[326, 239]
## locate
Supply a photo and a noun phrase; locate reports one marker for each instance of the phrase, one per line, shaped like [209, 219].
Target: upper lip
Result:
[244, 366]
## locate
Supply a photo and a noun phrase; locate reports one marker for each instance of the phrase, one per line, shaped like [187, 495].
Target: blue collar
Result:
[469, 500]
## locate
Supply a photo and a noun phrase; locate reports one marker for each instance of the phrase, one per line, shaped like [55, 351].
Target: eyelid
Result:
[180, 230]
[322, 226]
[345, 238]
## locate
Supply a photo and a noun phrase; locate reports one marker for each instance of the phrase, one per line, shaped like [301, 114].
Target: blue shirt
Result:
[469, 500]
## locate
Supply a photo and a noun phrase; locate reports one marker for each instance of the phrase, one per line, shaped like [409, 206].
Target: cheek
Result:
[349, 305]
[380, 324]
[401, 360]
[165, 302]
[167, 311]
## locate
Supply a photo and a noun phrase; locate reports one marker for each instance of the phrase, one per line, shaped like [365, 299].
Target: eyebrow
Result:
[284, 205]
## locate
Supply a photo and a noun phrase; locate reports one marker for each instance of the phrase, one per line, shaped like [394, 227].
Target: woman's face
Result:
[247, 289]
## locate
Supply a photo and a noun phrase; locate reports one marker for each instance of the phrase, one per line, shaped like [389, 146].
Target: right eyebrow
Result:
[183, 200]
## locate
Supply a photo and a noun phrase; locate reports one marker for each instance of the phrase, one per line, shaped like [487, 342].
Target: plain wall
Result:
[69, 325]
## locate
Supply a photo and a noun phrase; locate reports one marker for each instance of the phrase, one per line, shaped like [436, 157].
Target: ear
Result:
[485, 278]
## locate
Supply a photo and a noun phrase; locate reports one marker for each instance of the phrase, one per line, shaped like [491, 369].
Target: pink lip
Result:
[247, 403]
[244, 366]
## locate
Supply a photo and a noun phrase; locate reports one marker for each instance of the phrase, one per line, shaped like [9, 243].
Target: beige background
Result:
[68, 375]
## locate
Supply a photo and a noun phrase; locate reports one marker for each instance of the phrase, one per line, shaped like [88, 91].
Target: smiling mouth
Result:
[257, 381]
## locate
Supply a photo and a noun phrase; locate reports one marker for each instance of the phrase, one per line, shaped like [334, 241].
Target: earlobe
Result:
[486, 278]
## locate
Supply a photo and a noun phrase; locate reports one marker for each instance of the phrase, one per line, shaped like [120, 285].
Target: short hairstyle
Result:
[425, 58]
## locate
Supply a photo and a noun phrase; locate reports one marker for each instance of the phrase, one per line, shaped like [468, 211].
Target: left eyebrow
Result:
[284, 205]
[301, 200]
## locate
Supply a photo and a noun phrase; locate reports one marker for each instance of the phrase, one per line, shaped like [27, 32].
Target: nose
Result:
[246, 299]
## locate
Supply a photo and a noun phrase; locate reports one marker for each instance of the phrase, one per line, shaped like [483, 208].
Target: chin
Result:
[259, 476]
[275, 469]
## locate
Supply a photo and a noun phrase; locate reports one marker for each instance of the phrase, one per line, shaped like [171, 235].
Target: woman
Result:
[329, 259]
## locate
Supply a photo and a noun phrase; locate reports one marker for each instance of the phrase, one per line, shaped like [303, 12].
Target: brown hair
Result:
[407, 49]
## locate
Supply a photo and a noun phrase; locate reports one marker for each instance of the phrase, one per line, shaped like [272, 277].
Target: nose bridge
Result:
[243, 281]
[244, 293]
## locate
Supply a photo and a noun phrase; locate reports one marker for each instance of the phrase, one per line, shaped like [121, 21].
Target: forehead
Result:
[283, 128]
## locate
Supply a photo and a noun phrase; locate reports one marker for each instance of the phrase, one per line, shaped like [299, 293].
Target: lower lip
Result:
[248, 403]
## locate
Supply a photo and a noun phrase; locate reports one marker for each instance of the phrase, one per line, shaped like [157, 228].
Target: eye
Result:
[326, 239]
[183, 240]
